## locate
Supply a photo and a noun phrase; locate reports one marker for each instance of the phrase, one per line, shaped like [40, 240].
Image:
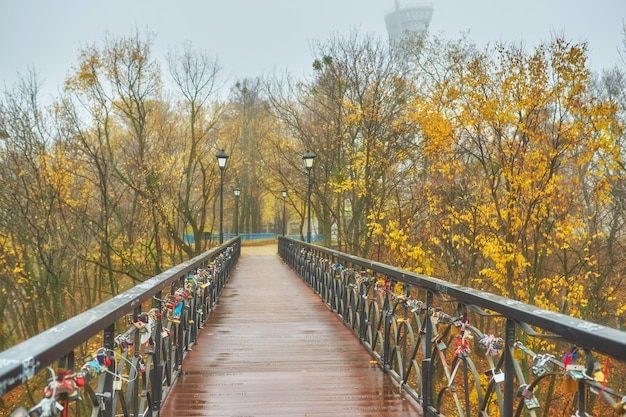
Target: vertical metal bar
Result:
[179, 332]
[467, 387]
[581, 399]
[211, 290]
[66, 363]
[427, 397]
[581, 384]
[364, 321]
[156, 375]
[406, 290]
[181, 329]
[136, 340]
[509, 369]
[135, 393]
[109, 345]
[387, 335]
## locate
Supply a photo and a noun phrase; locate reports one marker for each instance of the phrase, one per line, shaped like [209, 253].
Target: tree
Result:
[119, 87]
[609, 221]
[32, 233]
[511, 143]
[248, 128]
[350, 115]
[197, 79]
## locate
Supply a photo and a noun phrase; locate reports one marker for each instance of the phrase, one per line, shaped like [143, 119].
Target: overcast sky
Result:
[254, 37]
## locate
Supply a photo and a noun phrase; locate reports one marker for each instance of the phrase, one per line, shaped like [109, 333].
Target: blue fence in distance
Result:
[247, 237]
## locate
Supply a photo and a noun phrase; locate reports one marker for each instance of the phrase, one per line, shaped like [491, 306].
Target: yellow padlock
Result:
[598, 376]
[620, 407]
[570, 385]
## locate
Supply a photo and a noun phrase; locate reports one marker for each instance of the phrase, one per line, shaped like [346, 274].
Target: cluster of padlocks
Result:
[391, 319]
[133, 352]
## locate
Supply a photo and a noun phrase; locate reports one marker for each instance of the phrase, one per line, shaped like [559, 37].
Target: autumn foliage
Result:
[501, 169]
[520, 164]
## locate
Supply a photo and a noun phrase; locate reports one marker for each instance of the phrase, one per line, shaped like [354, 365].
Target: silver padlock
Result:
[498, 377]
[541, 364]
[532, 403]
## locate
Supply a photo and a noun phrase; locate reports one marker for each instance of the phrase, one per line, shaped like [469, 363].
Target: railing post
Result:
[387, 336]
[136, 343]
[582, 387]
[362, 313]
[109, 345]
[136, 353]
[212, 287]
[156, 374]
[509, 369]
[427, 397]
[180, 334]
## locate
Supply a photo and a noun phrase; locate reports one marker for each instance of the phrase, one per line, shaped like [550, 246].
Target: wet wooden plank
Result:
[272, 348]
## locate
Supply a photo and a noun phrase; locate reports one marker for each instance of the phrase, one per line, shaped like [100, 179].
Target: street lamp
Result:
[284, 210]
[237, 193]
[222, 157]
[308, 163]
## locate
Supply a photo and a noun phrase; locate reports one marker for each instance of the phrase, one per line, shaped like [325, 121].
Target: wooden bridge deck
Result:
[272, 348]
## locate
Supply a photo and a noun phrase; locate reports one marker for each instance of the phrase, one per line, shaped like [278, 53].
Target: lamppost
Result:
[237, 192]
[284, 210]
[222, 157]
[308, 163]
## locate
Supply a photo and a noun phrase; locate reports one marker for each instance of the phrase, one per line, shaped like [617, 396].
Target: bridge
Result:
[273, 348]
[312, 331]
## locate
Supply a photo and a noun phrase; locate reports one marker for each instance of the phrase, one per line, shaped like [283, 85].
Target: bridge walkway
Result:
[273, 348]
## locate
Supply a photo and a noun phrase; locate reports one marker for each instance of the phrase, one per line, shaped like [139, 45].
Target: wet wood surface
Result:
[273, 348]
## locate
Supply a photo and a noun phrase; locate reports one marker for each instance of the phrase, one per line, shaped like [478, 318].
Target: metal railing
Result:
[434, 338]
[133, 371]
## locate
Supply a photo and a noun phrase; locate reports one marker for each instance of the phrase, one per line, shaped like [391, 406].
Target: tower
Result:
[408, 19]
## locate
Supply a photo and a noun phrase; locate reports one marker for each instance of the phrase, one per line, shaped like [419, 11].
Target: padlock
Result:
[462, 347]
[620, 407]
[597, 373]
[498, 377]
[575, 371]
[525, 392]
[538, 371]
[45, 408]
[434, 318]
[541, 364]
[570, 385]
[532, 403]
[462, 352]
[101, 357]
[598, 376]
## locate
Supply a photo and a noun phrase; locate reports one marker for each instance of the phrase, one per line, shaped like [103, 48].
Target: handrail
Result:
[22, 362]
[583, 333]
[409, 331]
